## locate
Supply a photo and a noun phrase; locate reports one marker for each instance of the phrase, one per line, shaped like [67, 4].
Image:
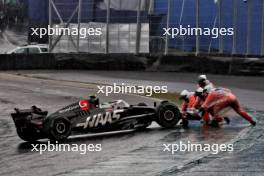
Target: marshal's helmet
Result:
[199, 92]
[184, 95]
[207, 89]
[202, 79]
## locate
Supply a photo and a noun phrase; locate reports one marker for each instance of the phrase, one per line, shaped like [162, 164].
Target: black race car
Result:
[90, 116]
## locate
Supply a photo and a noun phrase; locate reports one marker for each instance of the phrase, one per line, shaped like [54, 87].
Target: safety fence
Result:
[139, 26]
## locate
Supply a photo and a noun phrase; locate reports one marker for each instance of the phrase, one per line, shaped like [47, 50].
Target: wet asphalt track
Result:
[126, 153]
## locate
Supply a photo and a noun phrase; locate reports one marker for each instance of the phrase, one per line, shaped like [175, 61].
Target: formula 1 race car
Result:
[90, 116]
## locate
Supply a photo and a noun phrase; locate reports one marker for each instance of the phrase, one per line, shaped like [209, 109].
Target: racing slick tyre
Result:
[29, 135]
[168, 115]
[60, 129]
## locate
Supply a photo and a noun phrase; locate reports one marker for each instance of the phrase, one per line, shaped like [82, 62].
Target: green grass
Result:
[170, 96]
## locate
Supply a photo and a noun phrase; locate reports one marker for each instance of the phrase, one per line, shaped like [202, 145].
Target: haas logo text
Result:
[101, 119]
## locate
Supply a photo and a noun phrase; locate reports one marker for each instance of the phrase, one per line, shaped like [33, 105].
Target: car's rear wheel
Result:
[168, 115]
[60, 129]
[29, 135]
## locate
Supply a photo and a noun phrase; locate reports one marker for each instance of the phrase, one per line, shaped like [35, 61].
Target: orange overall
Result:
[185, 105]
[198, 103]
[219, 99]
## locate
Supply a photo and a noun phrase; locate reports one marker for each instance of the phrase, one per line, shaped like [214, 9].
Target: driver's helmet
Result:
[93, 99]
[202, 80]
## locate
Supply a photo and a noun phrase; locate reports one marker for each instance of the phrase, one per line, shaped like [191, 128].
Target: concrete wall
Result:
[72, 61]
[15, 62]
[189, 63]
[212, 64]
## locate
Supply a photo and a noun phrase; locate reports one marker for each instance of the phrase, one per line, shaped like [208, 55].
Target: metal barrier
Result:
[137, 26]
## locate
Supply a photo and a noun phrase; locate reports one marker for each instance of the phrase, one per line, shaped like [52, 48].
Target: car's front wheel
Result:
[168, 115]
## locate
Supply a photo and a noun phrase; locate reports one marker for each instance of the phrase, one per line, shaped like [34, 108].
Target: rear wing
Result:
[25, 112]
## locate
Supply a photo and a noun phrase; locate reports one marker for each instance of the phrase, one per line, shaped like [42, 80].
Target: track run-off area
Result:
[129, 152]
